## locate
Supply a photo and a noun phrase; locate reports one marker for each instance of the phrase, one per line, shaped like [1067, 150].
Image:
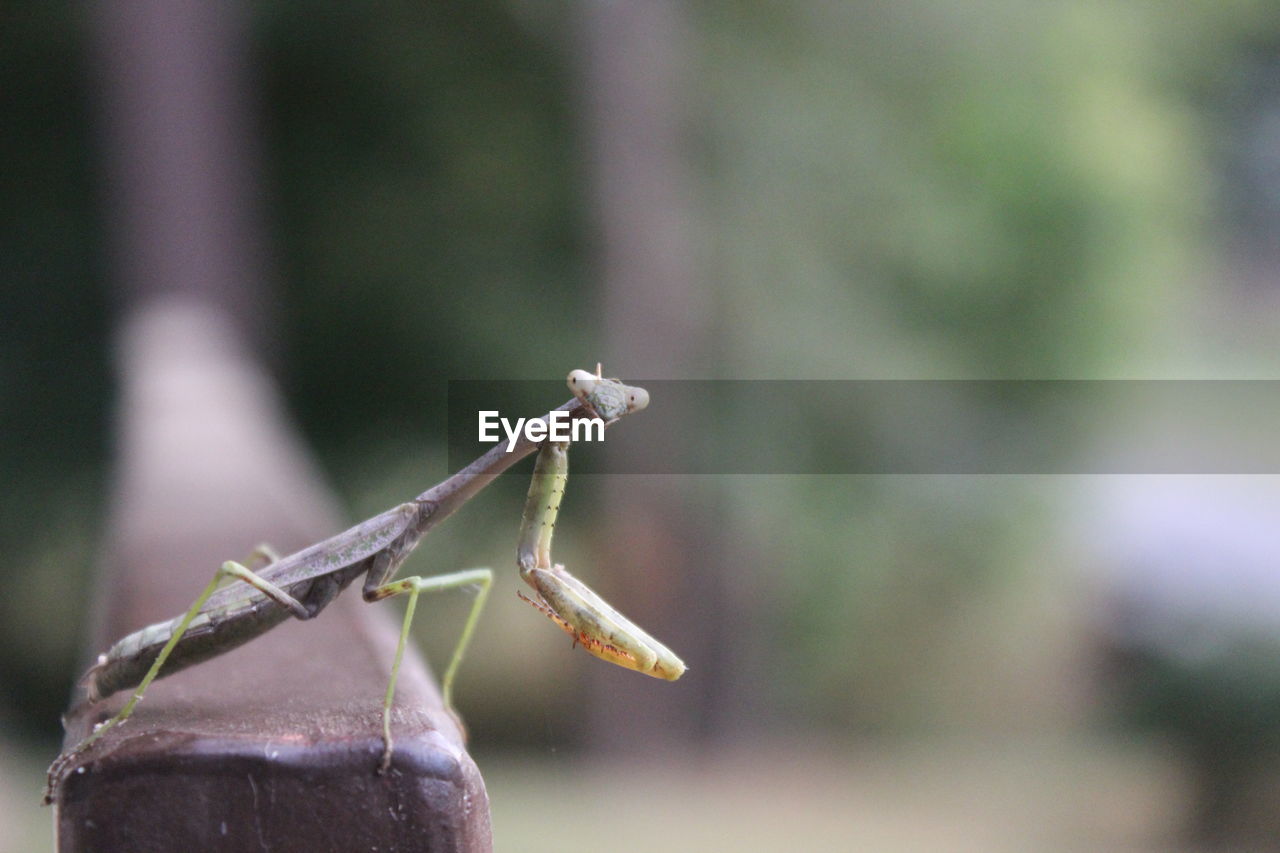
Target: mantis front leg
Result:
[567, 601]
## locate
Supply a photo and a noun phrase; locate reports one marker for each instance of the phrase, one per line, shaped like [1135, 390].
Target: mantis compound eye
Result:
[637, 399]
[582, 382]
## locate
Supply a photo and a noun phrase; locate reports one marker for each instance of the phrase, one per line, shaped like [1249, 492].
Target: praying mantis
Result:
[303, 583]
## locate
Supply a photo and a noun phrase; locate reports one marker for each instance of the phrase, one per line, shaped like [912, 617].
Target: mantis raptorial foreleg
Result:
[567, 601]
[412, 587]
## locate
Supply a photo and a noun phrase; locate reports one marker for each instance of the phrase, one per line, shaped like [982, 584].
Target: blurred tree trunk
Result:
[664, 558]
[178, 177]
[177, 131]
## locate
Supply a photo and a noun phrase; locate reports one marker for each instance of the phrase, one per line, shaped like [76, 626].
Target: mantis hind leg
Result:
[264, 552]
[413, 587]
[230, 569]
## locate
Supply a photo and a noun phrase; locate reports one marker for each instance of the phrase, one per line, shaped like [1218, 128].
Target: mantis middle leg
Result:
[412, 587]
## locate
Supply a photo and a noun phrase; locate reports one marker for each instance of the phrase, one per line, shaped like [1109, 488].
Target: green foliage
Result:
[424, 206]
[907, 190]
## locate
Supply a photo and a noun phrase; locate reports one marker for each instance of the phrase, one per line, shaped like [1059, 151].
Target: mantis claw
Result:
[600, 629]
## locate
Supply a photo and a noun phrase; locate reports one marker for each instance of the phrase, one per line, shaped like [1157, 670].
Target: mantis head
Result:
[608, 398]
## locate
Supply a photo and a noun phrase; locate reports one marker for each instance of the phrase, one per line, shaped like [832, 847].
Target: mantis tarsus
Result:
[303, 583]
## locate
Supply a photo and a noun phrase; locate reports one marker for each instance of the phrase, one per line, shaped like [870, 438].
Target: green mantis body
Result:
[304, 583]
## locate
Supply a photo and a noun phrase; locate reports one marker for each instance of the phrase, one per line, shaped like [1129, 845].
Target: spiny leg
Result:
[412, 587]
[228, 569]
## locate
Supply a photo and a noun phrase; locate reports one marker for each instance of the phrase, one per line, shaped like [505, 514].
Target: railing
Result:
[274, 745]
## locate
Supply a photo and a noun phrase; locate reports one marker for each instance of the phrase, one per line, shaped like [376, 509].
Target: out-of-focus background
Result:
[746, 190]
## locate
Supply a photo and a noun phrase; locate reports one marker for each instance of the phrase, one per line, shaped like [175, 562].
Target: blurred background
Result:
[503, 189]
